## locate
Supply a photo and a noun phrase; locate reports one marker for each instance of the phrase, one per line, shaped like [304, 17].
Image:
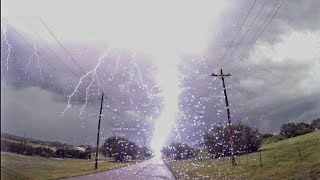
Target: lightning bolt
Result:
[35, 53]
[94, 76]
[87, 91]
[4, 38]
[136, 67]
[114, 70]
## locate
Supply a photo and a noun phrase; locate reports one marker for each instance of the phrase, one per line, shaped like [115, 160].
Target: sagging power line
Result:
[231, 43]
[253, 40]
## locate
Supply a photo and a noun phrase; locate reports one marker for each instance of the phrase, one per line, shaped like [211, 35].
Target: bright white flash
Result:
[167, 78]
[164, 30]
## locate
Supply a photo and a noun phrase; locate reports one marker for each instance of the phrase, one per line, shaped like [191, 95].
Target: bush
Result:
[144, 152]
[72, 153]
[267, 135]
[275, 138]
[179, 151]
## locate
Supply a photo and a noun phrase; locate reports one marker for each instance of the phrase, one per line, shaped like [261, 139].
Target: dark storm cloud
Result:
[264, 90]
[35, 111]
[127, 106]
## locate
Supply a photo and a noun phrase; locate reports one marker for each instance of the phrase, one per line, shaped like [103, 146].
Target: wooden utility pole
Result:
[231, 133]
[98, 135]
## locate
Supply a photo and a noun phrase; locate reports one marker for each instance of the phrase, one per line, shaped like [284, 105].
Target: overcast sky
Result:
[153, 53]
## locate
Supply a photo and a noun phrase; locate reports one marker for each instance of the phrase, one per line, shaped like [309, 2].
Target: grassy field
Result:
[15, 166]
[280, 160]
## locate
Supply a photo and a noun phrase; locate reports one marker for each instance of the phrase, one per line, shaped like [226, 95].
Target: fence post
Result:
[300, 155]
[274, 157]
[260, 159]
[247, 159]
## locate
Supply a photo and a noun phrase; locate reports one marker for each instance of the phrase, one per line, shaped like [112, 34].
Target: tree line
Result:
[246, 139]
[25, 149]
[289, 130]
[117, 148]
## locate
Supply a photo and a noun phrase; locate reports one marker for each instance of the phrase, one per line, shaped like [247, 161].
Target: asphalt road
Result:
[153, 169]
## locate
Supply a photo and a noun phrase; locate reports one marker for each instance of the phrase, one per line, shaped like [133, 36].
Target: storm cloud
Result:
[276, 81]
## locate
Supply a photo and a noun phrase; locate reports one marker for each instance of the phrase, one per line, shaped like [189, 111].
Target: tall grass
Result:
[279, 160]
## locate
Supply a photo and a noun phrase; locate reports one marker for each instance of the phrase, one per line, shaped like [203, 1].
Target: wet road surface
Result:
[153, 169]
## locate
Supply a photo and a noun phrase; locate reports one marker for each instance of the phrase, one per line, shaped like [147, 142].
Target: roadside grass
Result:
[15, 166]
[280, 160]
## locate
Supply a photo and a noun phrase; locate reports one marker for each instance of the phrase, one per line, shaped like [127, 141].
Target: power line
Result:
[67, 52]
[242, 55]
[60, 44]
[245, 33]
[72, 59]
[30, 45]
[42, 57]
[55, 55]
[236, 34]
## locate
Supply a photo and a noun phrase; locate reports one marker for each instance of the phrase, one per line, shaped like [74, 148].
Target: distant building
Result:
[82, 149]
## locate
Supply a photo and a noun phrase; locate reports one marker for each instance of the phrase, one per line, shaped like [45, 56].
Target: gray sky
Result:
[276, 81]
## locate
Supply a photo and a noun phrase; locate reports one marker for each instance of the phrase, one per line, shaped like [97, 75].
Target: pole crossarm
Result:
[219, 75]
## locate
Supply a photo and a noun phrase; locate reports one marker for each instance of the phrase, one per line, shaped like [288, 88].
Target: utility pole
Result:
[231, 133]
[98, 135]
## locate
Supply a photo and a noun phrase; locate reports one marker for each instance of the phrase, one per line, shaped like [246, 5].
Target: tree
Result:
[119, 148]
[315, 124]
[288, 130]
[303, 128]
[216, 141]
[246, 140]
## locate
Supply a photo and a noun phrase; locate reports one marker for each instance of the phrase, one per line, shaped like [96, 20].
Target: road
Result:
[152, 169]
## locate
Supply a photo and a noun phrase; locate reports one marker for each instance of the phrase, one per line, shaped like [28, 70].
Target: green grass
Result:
[15, 166]
[280, 160]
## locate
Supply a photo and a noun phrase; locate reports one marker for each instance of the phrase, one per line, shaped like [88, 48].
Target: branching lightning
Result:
[35, 53]
[114, 70]
[94, 77]
[136, 67]
[4, 38]
[87, 91]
